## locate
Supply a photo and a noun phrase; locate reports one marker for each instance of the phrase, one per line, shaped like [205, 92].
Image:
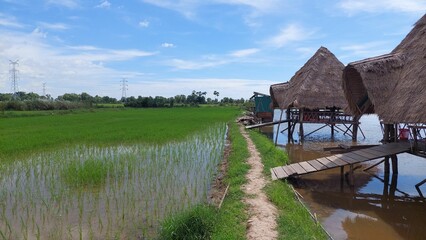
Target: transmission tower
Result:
[124, 88]
[14, 76]
[44, 89]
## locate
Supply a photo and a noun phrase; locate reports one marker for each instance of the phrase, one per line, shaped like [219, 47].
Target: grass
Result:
[34, 133]
[294, 222]
[92, 172]
[206, 222]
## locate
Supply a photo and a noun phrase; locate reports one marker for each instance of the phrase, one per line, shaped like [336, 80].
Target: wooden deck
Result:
[339, 160]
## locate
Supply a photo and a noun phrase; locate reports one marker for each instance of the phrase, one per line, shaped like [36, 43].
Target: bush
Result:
[195, 223]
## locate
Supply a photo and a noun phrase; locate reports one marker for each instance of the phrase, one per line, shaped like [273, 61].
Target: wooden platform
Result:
[339, 160]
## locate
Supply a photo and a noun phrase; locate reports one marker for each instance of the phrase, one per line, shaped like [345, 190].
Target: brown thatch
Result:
[277, 92]
[316, 85]
[392, 85]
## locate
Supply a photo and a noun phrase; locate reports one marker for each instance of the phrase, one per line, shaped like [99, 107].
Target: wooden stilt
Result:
[289, 132]
[394, 159]
[301, 133]
[387, 164]
[351, 175]
[278, 128]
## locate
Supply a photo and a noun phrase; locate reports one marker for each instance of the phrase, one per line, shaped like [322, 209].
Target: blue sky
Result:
[166, 47]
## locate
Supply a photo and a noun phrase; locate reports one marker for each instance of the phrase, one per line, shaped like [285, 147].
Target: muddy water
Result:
[378, 206]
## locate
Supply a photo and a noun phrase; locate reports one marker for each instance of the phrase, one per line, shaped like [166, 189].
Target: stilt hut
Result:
[393, 86]
[315, 95]
[262, 110]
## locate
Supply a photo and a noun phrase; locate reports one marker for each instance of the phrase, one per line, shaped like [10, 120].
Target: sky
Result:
[171, 47]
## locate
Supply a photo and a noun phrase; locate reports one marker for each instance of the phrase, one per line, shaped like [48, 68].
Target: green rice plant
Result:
[91, 172]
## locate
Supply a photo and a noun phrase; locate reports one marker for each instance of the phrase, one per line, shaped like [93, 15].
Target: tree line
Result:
[34, 101]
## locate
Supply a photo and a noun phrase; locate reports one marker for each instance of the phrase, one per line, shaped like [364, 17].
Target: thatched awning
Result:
[318, 84]
[392, 85]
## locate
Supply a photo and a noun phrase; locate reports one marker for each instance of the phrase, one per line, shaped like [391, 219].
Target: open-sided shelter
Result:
[315, 95]
[393, 86]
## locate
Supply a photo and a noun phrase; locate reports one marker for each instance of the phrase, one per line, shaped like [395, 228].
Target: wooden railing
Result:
[320, 116]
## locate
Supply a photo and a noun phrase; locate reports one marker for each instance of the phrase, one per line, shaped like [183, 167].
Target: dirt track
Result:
[262, 213]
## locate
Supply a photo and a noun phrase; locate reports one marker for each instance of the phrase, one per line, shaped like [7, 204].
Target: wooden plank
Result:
[372, 151]
[336, 159]
[327, 162]
[348, 159]
[280, 173]
[290, 171]
[307, 167]
[298, 168]
[369, 156]
[317, 165]
[355, 156]
[273, 176]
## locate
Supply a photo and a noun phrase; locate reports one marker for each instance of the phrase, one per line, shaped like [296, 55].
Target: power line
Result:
[14, 76]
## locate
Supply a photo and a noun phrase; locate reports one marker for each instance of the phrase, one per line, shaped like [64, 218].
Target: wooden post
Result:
[332, 130]
[355, 128]
[301, 133]
[394, 164]
[387, 165]
[278, 128]
[289, 123]
[351, 175]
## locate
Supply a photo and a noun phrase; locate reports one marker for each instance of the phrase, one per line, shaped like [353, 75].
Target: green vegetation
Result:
[24, 135]
[107, 192]
[230, 220]
[92, 172]
[196, 223]
[294, 221]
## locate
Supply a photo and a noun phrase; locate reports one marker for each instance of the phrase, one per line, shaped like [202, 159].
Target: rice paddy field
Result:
[105, 174]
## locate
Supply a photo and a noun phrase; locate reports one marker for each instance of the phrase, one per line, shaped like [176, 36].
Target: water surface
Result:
[378, 206]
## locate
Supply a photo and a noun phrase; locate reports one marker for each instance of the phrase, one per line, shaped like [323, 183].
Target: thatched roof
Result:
[277, 92]
[318, 84]
[392, 85]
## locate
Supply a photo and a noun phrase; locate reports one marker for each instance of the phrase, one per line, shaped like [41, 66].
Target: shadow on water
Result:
[378, 206]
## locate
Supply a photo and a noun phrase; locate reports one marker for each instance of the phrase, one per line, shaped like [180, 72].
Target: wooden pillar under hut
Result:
[301, 132]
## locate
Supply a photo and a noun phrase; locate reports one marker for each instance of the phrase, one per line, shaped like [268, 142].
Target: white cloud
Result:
[54, 26]
[259, 5]
[104, 4]
[195, 65]
[188, 8]
[144, 23]
[185, 7]
[356, 6]
[9, 21]
[244, 52]
[65, 3]
[288, 34]
[167, 45]
[364, 50]
[64, 69]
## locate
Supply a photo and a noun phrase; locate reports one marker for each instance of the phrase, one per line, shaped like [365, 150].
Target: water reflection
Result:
[379, 206]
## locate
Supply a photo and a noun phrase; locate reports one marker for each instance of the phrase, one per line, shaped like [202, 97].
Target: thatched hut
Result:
[317, 84]
[314, 94]
[393, 85]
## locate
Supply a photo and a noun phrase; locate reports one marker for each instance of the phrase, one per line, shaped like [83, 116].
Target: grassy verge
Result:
[294, 222]
[23, 135]
[229, 222]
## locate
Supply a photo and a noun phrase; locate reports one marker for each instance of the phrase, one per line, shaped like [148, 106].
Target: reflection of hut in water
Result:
[393, 86]
[315, 95]
[262, 107]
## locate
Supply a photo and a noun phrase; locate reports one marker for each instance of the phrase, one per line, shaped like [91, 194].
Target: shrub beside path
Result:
[262, 223]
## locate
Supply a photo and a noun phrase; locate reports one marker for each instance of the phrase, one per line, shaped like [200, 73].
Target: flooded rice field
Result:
[378, 206]
[117, 192]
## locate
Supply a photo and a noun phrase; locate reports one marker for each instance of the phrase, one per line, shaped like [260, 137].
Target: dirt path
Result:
[262, 213]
